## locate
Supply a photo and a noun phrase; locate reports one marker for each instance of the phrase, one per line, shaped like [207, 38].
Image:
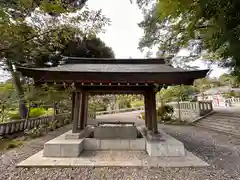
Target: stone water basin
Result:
[115, 130]
[115, 136]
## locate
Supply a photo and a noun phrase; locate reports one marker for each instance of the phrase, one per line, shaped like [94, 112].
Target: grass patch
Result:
[169, 121]
[34, 112]
[6, 144]
[137, 103]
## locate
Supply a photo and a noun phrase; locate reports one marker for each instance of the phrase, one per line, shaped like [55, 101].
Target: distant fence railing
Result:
[232, 101]
[15, 126]
[120, 110]
[190, 111]
[185, 110]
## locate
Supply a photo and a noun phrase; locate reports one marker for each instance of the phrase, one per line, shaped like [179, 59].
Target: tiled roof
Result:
[114, 68]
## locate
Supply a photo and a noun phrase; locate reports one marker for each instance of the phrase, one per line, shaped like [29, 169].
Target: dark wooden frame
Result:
[80, 103]
[100, 82]
[169, 78]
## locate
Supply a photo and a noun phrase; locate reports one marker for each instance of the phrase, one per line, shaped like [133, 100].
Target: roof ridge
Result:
[78, 60]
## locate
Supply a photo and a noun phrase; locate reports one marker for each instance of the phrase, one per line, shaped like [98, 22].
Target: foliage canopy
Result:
[209, 26]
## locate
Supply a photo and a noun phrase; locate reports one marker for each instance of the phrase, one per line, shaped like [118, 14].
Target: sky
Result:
[123, 34]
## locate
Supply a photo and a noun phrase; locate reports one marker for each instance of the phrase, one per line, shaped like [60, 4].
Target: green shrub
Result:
[52, 125]
[34, 133]
[164, 116]
[143, 115]
[97, 107]
[49, 112]
[14, 114]
[137, 103]
[34, 112]
[165, 112]
[13, 144]
[66, 121]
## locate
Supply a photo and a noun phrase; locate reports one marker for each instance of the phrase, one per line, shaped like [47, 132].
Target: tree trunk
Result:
[19, 90]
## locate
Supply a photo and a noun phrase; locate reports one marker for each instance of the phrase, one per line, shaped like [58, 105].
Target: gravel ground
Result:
[219, 150]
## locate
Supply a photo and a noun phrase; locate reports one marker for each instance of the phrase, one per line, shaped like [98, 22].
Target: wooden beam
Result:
[168, 78]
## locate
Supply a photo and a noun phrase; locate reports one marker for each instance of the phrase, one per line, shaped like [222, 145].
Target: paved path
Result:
[232, 110]
[123, 117]
[222, 152]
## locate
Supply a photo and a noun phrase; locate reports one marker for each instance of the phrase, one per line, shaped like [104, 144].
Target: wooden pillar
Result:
[147, 105]
[152, 101]
[83, 111]
[73, 104]
[146, 110]
[150, 110]
[86, 109]
[76, 110]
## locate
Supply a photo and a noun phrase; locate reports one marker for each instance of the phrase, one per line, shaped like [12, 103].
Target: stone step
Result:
[61, 147]
[229, 121]
[217, 121]
[221, 126]
[224, 118]
[226, 115]
[221, 123]
[114, 144]
[237, 134]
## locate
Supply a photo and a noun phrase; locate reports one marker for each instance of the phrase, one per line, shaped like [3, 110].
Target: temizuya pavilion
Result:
[113, 76]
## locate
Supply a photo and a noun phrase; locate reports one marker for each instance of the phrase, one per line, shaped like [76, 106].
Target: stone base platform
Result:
[113, 159]
[62, 147]
[146, 150]
[164, 146]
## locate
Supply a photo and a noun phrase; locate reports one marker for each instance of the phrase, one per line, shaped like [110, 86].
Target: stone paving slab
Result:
[113, 159]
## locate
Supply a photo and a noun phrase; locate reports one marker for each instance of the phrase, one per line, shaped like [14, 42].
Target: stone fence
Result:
[182, 110]
[191, 111]
[15, 126]
[233, 101]
[20, 125]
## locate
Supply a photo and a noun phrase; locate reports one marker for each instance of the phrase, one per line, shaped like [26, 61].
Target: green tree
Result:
[229, 80]
[89, 47]
[177, 93]
[204, 26]
[20, 32]
[206, 83]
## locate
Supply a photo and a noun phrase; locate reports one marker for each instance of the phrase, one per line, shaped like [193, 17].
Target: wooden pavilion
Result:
[113, 76]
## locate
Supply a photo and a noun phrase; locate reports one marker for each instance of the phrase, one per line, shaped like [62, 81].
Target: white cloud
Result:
[123, 34]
